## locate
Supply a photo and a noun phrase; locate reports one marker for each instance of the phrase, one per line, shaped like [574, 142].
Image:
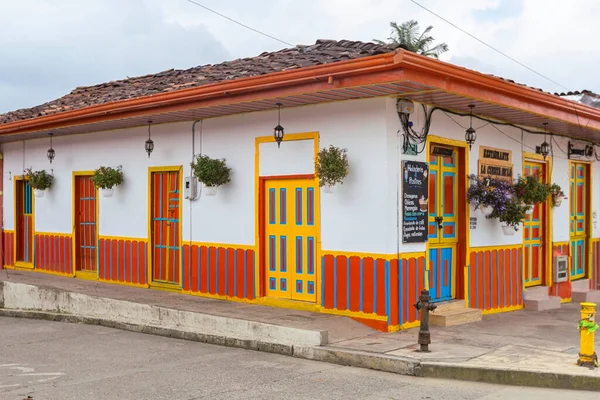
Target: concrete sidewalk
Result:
[518, 348]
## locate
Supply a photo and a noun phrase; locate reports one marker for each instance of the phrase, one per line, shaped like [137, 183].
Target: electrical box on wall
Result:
[190, 188]
[561, 268]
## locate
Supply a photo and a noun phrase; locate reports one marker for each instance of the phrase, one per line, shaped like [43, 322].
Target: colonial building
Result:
[400, 222]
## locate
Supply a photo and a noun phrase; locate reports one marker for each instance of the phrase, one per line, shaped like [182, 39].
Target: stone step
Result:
[549, 303]
[586, 296]
[536, 293]
[451, 305]
[455, 317]
[580, 285]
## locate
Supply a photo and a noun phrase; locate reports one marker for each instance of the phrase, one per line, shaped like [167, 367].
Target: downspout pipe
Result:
[191, 201]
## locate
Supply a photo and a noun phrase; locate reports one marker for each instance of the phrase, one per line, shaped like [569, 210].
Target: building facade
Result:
[272, 235]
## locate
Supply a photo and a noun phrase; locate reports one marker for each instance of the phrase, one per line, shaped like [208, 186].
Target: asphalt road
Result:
[51, 360]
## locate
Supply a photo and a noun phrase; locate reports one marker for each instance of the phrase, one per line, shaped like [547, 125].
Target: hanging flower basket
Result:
[508, 230]
[209, 190]
[557, 201]
[557, 195]
[106, 179]
[331, 166]
[39, 181]
[211, 172]
[486, 210]
[528, 209]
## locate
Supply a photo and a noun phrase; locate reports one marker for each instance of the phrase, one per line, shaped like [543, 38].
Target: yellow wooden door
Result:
[290, 235]
[443, 221]
[533, 231]
[578, 218]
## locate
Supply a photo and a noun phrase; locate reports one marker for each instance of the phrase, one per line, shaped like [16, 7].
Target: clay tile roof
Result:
[322, 52]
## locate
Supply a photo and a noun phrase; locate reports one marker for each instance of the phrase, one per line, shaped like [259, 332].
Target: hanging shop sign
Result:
[414, 202]
[495, 163]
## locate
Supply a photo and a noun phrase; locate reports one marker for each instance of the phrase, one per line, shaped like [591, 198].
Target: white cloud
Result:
[48, 47]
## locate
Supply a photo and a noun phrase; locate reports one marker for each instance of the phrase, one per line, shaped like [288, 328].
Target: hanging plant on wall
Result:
[557, 195]
[211, 172]
[510, 215]
[106, 178]
[39, 181]
[531, 190]
[331, 167]
[488, 194]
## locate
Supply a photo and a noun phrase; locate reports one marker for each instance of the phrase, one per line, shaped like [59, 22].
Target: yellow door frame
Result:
[587, 268]
[21, 264]
[465, 167]
[83, 274]
[177, 287]
[260, 275]
[547, 234]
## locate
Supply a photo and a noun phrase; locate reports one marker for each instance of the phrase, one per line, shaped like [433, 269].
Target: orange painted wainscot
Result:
[53, 253]
[495, 279]
[377, 290]
[219, 271]
[123, 260]
[8, 243]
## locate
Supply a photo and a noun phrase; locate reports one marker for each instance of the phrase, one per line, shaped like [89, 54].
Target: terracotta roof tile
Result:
[322, 52]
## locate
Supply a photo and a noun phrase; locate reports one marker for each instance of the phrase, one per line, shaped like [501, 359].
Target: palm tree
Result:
[408, 35]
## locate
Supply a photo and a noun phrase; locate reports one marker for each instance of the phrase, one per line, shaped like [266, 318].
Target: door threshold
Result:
[169, 287]
[289, 303]
[87, 275]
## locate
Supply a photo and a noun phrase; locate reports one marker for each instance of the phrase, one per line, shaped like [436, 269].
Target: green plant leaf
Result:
[211, 171]
[107, 177]
[331, 165]
[39, 180]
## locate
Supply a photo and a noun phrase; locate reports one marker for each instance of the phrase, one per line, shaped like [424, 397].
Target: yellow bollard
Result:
[587, 327]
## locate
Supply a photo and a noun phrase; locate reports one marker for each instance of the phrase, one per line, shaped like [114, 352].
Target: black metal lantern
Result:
[50, 153]
[278, 131]
[470, 133]
[149, 146]
[545, 147]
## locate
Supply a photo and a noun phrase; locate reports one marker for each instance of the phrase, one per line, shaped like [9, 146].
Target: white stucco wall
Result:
[362, 216]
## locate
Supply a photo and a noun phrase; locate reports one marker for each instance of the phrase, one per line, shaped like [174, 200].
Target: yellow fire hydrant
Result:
[587, 327]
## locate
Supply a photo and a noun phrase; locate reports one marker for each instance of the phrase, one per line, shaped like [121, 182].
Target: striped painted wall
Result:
[495, 278]
[8, 241]
[387, 288]
[562, 289]
[595, 273]
[123, 260]
[219, 271]
[53, 253]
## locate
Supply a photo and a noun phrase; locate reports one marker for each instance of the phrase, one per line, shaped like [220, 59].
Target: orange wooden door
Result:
[86, 241]
[24, 220]
[165, 226]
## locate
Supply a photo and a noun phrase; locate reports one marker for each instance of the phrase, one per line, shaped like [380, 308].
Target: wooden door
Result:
[166, 227]
[534, 251]
[443, 221]
[578, 224]
[86, 240]
[24, 222]
[290, 239]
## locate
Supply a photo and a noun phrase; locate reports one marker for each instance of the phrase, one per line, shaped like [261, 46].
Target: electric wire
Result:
[240, 24]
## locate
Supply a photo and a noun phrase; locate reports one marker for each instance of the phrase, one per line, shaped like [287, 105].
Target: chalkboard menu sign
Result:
[414, 202]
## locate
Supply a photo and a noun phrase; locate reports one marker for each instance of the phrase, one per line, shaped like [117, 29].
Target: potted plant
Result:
[531, 190]
[511, 215]
[557, 195]
[331, 166]
[211, 172]
[39, 181]
[488, 194]
[106, 178]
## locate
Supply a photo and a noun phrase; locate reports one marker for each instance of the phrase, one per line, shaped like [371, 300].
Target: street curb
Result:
[512, 377]
[268, 347]
[360, 359]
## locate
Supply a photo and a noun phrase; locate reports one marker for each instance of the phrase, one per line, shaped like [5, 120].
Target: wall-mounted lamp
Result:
[470, 133]
[545, 147]
[278, 131]
[149, 145]
[50, 153]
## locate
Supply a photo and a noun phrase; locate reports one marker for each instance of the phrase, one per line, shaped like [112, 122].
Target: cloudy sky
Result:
[49, 47]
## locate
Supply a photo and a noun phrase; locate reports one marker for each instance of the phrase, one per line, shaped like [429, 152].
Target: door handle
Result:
[440, 222]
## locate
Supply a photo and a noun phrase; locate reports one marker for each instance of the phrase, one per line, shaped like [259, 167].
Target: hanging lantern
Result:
[50, 153]
[278, 131]
[149, 146]
[545, 147]
[470, 133]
